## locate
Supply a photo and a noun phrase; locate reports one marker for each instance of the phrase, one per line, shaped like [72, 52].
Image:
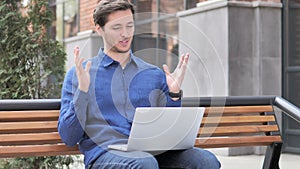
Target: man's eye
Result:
[116, 28]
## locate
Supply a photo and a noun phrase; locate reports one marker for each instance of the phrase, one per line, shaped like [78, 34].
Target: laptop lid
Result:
[164, 128]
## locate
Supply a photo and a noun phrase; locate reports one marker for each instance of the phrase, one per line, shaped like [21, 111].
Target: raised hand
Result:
[83, 74]
[174, 80]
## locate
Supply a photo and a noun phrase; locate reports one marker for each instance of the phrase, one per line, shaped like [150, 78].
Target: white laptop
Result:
[163, 128]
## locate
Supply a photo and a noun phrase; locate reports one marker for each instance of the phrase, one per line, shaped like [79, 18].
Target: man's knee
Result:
[139, 159]
[206, 159]
[141, 163]
[134, 163]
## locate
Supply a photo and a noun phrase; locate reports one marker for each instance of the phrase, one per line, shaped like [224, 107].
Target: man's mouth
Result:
[124, 42]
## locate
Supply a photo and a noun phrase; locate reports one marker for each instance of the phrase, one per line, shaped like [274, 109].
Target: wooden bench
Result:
[236, 126]
[29, 127]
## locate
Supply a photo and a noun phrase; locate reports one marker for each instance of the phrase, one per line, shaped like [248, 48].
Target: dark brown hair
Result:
[106, 7]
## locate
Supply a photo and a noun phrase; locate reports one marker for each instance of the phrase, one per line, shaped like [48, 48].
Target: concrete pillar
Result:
[235, 50]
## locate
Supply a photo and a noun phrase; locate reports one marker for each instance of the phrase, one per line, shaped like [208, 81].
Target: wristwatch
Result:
[176, 95]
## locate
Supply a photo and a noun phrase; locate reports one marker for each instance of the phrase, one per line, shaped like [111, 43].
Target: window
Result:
[66, 18]
[156, 34]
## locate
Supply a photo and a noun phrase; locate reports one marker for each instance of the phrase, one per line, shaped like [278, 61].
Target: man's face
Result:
[118, 31]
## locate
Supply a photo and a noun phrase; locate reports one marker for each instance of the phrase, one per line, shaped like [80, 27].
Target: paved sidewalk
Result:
[287, 161]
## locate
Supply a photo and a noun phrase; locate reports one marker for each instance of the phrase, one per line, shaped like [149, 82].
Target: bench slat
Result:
[20, 127]
[231, 130]
[217, 142]
[32, 138]
[37, 150]
[237, 119]
[238, 109]
[31, 115]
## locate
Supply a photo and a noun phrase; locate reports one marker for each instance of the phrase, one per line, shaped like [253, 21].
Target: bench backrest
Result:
[31, 133]
[34, 132]
[235, 126]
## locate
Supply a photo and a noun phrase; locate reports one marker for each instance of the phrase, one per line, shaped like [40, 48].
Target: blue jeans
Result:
[195, 158]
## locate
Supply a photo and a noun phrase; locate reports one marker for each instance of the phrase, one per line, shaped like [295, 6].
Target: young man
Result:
[99, 98]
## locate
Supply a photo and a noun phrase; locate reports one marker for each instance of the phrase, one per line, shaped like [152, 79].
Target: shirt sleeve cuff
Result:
[172, 103]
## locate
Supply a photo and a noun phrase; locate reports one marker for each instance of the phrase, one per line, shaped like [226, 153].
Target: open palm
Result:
[175, 79]
[83, 74]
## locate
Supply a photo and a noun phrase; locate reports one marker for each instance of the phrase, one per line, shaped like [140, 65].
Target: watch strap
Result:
[176, 95]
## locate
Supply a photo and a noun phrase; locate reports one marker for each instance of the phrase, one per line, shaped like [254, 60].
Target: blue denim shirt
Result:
[104, 114]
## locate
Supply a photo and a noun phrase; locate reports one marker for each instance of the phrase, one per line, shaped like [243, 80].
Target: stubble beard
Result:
[117, 49]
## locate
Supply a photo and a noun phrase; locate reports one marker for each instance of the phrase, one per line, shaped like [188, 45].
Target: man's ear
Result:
[99, 29]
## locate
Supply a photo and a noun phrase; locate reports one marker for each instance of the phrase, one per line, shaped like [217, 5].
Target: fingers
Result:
[182, 68]
[186, 58]
[166, 69]
[183, 60]
[184, 64]
[180, 61]
[76, 55]
[88, 66]
[79, 61]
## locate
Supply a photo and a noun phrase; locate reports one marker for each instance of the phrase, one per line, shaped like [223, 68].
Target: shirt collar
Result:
[107, 61]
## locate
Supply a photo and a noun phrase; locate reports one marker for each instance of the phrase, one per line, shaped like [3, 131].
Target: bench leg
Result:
[272, 156]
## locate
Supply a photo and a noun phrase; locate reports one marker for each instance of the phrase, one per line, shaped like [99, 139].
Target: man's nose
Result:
[126, 32]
